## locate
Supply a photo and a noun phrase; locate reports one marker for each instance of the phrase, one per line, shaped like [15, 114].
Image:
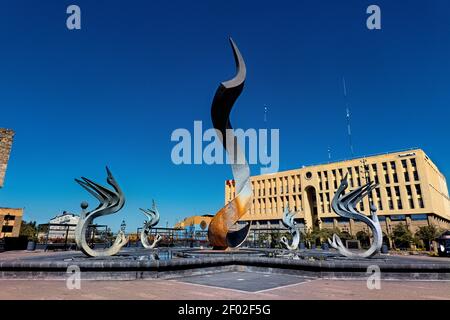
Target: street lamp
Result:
[365, 167]
[123, 226]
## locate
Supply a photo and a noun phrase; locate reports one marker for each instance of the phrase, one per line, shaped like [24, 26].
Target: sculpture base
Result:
[197, 253]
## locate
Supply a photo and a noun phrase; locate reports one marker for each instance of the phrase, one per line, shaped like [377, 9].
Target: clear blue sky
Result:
[112, 93]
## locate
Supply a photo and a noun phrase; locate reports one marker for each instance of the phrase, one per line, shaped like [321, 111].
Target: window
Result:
[386, 178]
[392, 165]
[377, 192]
[7, 229]
[389, 193]
[421, 204]
[419, 217]
[399, 201]
[358, 179]
[381, 218]
[380, 205]
[350, 178]
[408, 190]
[320, 180]
[418, 190]
[416, 175]
[328, 201]
[390, 202]
[321, 202]
[406, 176]
[334, 178]
[404, 164]
[413, 162]
[398, 217]
[327, 220]
[419, 196]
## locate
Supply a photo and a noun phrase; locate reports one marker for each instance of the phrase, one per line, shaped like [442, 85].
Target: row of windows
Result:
[398, 217]
[340, 220]
[356, 176]
[276, 204]
[393, 196]
[394, 201]
[286, 185]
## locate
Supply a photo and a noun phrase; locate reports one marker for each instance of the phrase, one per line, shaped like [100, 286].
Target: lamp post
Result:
[365, 167]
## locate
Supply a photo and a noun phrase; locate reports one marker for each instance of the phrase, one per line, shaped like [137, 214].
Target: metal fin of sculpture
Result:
[219, 234]
[153, 219]
[288, 222]
[345, 206]
[111, 201]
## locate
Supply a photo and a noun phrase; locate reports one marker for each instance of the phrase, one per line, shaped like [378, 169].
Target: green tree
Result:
[401, 236]
[427, 234]
[28, 229]
[363, 237]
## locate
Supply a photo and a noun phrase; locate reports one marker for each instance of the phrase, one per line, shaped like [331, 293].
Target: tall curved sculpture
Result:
[288, 222]
[219, 234]
[111, 201]
[152, 220]
[345, 206]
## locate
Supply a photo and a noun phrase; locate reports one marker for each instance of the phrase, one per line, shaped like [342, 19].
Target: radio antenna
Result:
[349, 128]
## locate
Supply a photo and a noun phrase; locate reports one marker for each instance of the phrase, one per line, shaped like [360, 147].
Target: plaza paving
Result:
[186, 288]
[235, 285]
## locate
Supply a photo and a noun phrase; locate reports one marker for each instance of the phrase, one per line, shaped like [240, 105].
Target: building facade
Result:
[411, 191]
[63, 226]
[197, 222]
[6, 140]
[10, 222]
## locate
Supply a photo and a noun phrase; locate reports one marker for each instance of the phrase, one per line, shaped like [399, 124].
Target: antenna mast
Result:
[349, 128]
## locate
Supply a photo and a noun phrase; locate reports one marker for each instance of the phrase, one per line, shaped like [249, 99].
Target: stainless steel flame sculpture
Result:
[219, 234]
[111, 201]
[345, 206]
[294, 230]
[153, 219]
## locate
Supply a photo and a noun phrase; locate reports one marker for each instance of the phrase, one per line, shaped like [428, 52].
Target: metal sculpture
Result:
[219, 234]
[294, 230]
[153, 219]
[345, 206]
[111, 201]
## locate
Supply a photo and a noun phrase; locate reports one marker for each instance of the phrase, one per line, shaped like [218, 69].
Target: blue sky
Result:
[113, 92]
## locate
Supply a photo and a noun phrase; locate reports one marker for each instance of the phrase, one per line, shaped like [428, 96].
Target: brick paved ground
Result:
[174, 289]
[238, 285]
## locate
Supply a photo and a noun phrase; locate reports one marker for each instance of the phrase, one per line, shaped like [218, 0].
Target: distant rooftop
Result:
[360, 157]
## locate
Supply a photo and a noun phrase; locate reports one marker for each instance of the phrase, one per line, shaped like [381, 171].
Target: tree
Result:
[363, 238]
[401, 236]
[427, 234]
[28, 229]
